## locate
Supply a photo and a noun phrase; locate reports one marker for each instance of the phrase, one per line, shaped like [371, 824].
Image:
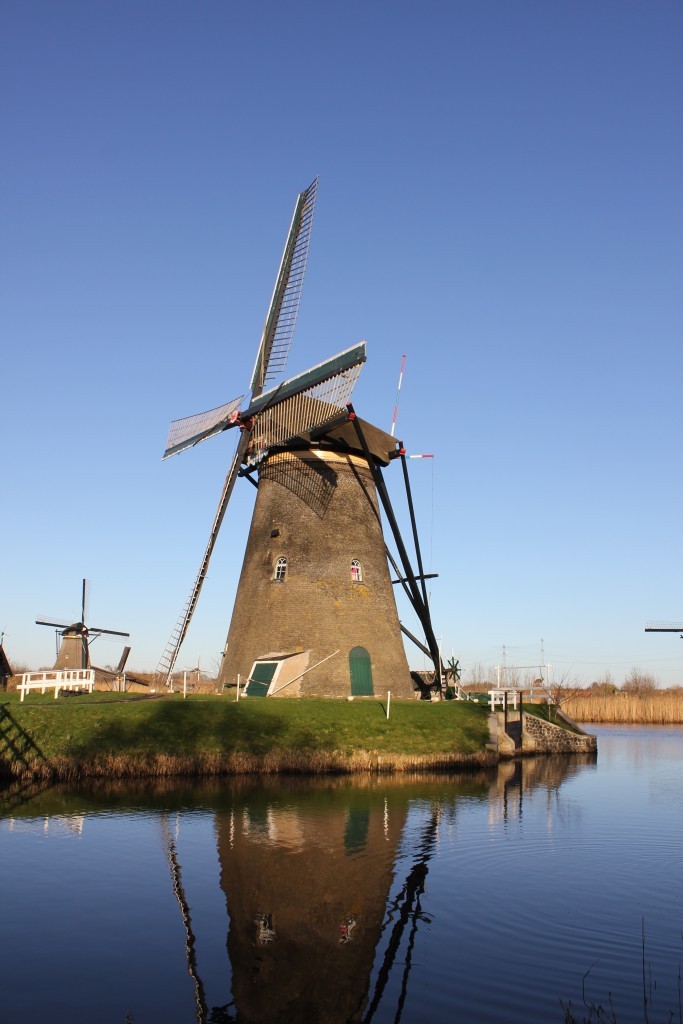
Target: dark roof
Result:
[342, 437]
[379, 443]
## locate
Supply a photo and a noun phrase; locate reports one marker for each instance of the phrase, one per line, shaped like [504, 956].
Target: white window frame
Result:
[356, 571]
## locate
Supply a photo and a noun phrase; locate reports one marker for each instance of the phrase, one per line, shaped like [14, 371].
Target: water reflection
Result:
[323, 881]
[516, 778]
[306, 888]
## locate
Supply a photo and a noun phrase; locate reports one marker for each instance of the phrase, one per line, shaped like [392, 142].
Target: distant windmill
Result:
[665, 627]
[76, 637]
[315, 611]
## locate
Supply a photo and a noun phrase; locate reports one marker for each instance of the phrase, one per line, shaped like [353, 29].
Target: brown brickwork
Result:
[312, 508]
[73, 652]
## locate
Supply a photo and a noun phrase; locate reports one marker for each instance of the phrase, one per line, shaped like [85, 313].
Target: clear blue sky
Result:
[500, 199]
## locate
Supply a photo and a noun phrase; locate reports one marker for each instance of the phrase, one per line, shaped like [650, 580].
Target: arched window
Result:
[280, 568]
[356, 571]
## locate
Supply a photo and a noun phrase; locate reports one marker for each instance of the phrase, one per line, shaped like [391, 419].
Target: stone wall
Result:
[540, 736]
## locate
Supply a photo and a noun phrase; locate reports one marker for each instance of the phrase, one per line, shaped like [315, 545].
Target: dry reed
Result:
[663, 708]
[120, 766]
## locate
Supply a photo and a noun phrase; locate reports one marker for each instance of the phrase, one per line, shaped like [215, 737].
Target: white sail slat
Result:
[309, 410]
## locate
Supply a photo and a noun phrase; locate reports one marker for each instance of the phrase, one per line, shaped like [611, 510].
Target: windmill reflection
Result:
[201, 1007]
[324, 885]
[406, 910]
[306, 888]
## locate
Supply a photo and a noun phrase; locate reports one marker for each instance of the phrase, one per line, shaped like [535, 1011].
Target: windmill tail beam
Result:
[418, 643]
[413, 524]
[402, 580]
[421, 607]
[427, 576]
[123, 659]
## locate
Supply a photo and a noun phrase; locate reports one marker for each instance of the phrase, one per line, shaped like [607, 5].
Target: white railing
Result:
[498, 697]
[66, 679]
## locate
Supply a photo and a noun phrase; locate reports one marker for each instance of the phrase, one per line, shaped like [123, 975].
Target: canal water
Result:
[482, 897]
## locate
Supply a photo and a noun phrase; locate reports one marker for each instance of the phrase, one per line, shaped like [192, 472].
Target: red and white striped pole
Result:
[398, 395]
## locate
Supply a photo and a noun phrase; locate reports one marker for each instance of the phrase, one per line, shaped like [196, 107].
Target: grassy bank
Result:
[663, 708]
[115, 735]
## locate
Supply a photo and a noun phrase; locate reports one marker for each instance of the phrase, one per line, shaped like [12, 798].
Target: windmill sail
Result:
[168, 658]
[190, 430]
[284, 304]
[304, 403]
[326, 386]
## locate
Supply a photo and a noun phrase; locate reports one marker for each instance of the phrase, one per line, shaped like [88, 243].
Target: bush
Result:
[605, 684]
[639, 682]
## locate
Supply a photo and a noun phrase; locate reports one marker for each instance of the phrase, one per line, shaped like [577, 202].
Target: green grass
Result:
[118, 731]
[547, 713]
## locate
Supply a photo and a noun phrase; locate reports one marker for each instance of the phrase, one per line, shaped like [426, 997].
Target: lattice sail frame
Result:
[190, 430]
[277, 332]
[312, 409]
[284, 304]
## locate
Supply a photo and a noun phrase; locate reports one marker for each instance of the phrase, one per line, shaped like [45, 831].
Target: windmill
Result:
[315, 611]
[74, 649]
[665, 627]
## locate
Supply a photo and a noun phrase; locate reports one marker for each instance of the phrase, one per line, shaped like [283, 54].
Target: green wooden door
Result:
[260, 679]
[361, 673]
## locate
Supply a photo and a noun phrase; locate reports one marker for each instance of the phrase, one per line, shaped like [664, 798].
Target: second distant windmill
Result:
[74, 638]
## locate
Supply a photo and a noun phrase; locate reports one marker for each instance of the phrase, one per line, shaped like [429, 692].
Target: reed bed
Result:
[658, 708]
[285, 762]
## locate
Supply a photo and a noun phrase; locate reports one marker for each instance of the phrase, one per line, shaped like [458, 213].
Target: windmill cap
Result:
[380, 444]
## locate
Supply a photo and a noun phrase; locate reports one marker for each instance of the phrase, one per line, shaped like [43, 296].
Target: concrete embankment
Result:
[519, 734]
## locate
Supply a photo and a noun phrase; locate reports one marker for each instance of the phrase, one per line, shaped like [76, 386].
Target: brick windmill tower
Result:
[315, 613]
